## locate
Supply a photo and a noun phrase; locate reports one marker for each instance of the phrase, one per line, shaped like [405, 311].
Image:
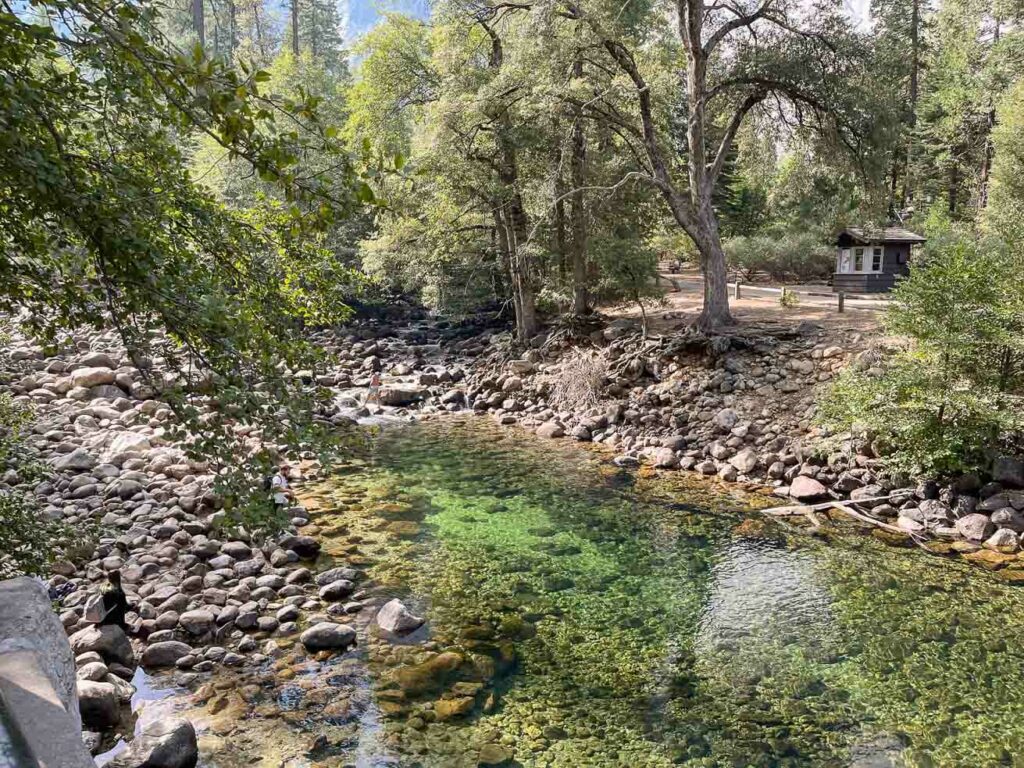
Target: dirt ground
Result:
[682, 303]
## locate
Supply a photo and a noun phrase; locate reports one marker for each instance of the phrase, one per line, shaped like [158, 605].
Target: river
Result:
[583, 615]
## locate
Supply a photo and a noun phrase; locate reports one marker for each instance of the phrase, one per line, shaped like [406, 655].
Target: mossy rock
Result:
[432, 675]
[403, 529]
[446, 709]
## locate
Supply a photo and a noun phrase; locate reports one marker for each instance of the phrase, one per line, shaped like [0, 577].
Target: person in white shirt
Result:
[281, 493]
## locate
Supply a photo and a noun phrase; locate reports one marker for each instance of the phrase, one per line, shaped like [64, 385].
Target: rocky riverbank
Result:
[208, 596]
[738, 407]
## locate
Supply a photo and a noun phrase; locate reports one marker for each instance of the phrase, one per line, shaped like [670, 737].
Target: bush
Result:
[952, 397]
[787, 256]
[29, 540]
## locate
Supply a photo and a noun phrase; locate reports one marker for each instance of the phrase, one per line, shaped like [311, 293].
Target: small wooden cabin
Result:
[870, 261]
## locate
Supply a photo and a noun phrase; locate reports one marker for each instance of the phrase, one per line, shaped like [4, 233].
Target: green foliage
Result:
[953, 396]
[783, 256]
[1005, 213]
[103, 220]
[29, 541]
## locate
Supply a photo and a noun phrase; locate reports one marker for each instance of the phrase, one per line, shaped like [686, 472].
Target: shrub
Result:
[953, 396]
[786, 256]
[29, 540]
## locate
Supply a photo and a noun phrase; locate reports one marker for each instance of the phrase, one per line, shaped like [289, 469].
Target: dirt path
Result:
[682, 303]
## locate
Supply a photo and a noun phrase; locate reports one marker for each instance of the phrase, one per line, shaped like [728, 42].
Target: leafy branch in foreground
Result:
[29, 540]
[102, 221]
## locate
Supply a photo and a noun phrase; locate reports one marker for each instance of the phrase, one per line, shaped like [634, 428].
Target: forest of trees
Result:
[233, 171]
[535, 156]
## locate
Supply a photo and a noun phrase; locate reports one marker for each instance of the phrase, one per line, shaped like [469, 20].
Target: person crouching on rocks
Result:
[115, 603]
[281, 493]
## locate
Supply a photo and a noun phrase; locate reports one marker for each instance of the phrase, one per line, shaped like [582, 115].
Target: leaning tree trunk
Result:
[580, 298]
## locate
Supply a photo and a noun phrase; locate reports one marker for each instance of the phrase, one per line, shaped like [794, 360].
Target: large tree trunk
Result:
[233, 33]
[915, 72]
[199, 22]
[295, 28]
[513, 211]
[580, 297]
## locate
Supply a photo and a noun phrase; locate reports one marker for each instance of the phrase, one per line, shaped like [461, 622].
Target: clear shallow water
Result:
[580, 615]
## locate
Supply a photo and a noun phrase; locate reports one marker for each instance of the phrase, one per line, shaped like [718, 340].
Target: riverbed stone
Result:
[336, 590]
[98, 704]
[1003, 540]
[327, 636]
[108, 641]
[394, 617]
[805, 488]
[975, 527]
[197, 622]
[164, 743]
[165, 654]
[745, 461]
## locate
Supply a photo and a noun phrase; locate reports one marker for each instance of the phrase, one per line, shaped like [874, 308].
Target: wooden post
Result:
[842, 301]
[737, 289]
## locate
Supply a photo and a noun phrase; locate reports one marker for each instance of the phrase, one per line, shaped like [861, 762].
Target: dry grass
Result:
[577, 385]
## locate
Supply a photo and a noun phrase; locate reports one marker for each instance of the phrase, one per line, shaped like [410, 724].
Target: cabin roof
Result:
[886, 235]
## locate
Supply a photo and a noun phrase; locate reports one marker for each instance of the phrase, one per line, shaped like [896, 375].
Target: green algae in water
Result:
[580, 618]
[660, 638]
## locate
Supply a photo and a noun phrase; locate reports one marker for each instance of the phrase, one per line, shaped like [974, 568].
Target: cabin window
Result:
[858, 259]
[876, 259]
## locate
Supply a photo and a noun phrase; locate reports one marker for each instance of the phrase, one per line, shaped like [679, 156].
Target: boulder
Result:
[336, 574]
[805, 488]
[1003, 540]
[975, 527]
[861, 494]
[91, 377]
[1008, 517]
[745, 461]
[128, 442]
[97, 360]
[394, 617]
[79, 460]
[935, 511]
[164, 654]
[197, 622]
[306, 547]
[326, 636]
[401, 395]
[726, 418]
[664, 458]
[551, 429]
[98, 704]
[108, 641]
[336, 590]
[28, 624]
[161, 744]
